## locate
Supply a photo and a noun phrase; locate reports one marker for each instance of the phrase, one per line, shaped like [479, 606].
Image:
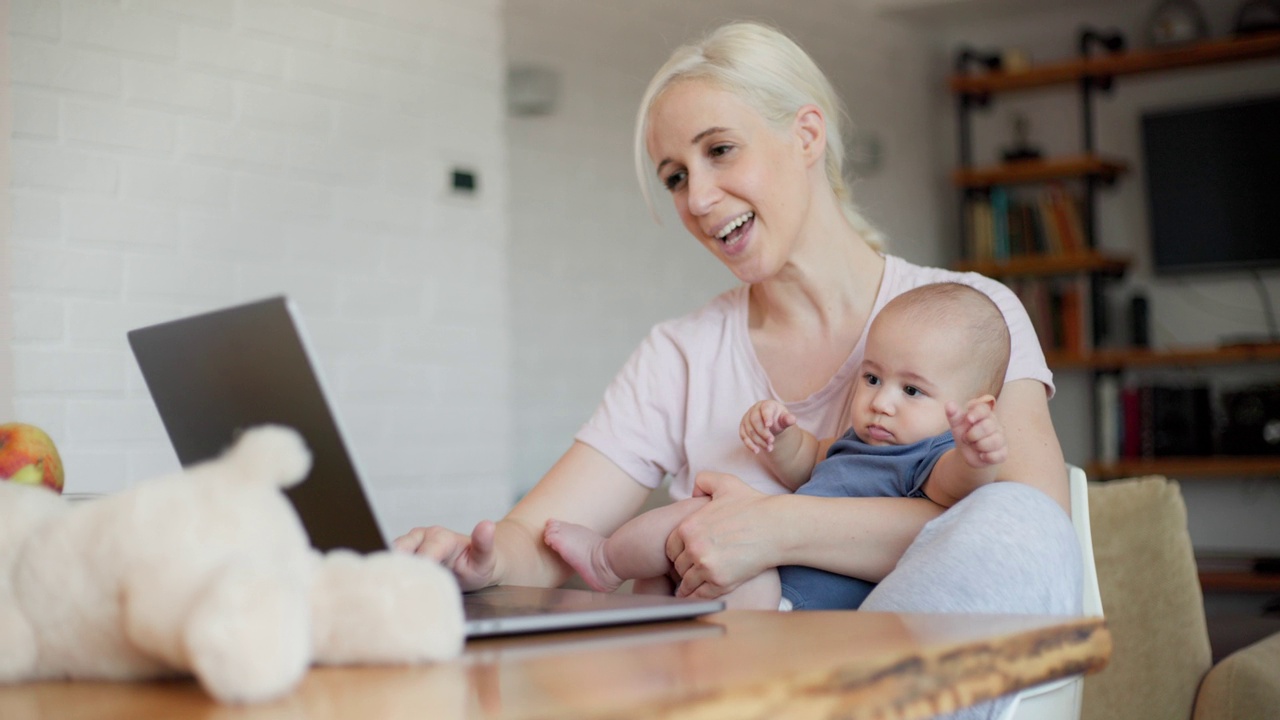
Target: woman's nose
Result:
[703, 193]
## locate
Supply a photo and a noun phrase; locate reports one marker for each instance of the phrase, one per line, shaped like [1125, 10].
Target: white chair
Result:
[1061, 699]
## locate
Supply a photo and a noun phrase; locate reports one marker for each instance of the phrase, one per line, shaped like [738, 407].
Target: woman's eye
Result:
[673, 181]
[718, 150]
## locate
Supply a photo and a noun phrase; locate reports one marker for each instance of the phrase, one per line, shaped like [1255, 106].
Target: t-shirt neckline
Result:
[837, 382]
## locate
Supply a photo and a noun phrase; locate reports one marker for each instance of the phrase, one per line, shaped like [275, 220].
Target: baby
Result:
[923, 425]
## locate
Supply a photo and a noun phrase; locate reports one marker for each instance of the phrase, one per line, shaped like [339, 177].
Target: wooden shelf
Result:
[1250, 582]
[1045, 265]
[1187, 467]
[1120, 358]
[1238, 572]
[1211, 52]
[1040, 170]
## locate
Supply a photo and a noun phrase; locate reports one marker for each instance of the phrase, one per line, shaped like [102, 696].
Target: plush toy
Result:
[207, 572]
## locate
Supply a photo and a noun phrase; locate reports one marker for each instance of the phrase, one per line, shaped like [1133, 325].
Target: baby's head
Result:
[932, 345]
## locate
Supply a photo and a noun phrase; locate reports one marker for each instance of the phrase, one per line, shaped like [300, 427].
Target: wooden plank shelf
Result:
[1187, 467]
[1038, 170]
[1247, 582]
[1044, 265]
[1210, 52]
[1236, 572]
[1120, 358]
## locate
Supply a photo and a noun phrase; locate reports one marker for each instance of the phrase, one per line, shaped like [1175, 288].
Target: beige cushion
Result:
[1152, 602]
[1244, 686]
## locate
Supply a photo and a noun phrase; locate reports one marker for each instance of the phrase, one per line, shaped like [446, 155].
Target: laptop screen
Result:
[216, 374]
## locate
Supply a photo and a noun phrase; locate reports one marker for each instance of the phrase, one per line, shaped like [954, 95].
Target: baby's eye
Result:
[871, 379]
[912, 391]
[673, 181]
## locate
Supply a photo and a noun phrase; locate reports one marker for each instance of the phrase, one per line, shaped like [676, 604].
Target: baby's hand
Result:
[978, 432]
[762, 423]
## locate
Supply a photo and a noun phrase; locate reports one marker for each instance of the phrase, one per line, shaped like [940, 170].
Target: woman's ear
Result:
[811, 129]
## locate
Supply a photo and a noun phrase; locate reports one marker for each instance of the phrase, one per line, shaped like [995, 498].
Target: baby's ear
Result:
[988, 400]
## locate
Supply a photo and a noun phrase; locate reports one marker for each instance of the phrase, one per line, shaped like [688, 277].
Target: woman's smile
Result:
[734, 234]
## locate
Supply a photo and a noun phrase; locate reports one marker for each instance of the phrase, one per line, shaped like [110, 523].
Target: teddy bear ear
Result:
[274, 454]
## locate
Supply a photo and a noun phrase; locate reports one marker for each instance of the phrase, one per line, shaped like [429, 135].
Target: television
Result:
[1213, 186]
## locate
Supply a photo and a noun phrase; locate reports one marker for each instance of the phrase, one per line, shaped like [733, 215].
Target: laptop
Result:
[215, 374]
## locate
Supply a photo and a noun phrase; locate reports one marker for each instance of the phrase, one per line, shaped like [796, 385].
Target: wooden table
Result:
[736, 664]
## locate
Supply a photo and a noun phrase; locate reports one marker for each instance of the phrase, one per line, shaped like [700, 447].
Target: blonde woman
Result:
[742, 130]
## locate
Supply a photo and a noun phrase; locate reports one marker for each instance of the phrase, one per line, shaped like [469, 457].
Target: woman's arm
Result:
[583, 487]
[743, 532]
[1035, 457]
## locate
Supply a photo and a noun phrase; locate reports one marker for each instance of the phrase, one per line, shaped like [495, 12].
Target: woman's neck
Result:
[831, 279]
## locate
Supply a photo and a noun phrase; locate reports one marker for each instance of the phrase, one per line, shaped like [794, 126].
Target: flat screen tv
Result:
[1213, 186]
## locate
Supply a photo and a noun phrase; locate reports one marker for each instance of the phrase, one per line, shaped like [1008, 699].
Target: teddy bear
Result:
[207, 572]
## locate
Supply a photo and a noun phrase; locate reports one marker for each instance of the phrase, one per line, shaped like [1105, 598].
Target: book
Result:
[1130, 423]
[1048, 224]
[1000, 222]
[1071, 320]
[1066, 218]
[1181, 421]
[1107, 394]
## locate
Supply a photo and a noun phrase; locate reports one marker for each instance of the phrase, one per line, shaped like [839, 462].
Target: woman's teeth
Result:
[734, 225]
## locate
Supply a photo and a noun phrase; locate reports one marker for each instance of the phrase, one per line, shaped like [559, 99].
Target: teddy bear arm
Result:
[18, 640]
[384, 608]
[248, 637]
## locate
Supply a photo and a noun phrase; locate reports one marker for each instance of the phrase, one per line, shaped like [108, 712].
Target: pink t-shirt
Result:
[675, 407]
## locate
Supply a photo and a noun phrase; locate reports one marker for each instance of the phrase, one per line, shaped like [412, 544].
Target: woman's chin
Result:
[741, 260]
[749, 273]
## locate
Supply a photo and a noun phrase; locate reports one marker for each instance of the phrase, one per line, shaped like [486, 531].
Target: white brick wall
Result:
[592, 272]
[173, 156]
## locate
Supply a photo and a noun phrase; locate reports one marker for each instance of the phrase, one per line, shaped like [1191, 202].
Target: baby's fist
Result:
[762, 423]
[978, 433]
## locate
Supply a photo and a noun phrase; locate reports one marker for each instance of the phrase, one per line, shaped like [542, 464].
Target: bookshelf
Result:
[1114, 360]
[1081, 264]
[1186, 467]
[1062, 251]
[1237, 581]
[1067, 72]
[1088, 261]
[1039, 170]
[1124, 358]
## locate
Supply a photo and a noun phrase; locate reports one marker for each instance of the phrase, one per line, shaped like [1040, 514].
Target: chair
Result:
[1161, 666]
[1061, 699]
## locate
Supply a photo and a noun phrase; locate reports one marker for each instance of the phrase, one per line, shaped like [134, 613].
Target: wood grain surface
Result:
[735, 665]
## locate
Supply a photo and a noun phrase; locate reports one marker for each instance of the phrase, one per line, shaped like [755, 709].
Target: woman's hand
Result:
[724, 543]
[471, 559]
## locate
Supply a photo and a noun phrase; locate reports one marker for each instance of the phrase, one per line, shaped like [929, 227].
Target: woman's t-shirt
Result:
[675, 407]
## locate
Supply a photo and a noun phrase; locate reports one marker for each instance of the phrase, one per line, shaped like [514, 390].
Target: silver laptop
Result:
[215, 374]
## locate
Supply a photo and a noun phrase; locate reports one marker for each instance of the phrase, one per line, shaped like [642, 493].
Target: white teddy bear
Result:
[207, 572]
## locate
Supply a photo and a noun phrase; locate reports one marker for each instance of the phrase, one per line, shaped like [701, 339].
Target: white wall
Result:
[591, 271]
[6, 314]
[172, 156]
[1224, 513]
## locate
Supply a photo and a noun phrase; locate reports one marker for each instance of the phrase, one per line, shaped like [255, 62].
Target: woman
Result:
[742, 131]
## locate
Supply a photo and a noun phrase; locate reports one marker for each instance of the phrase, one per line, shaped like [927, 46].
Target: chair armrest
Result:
[1244, 686]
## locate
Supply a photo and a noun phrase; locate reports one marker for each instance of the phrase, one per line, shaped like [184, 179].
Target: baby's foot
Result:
[583, 549]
